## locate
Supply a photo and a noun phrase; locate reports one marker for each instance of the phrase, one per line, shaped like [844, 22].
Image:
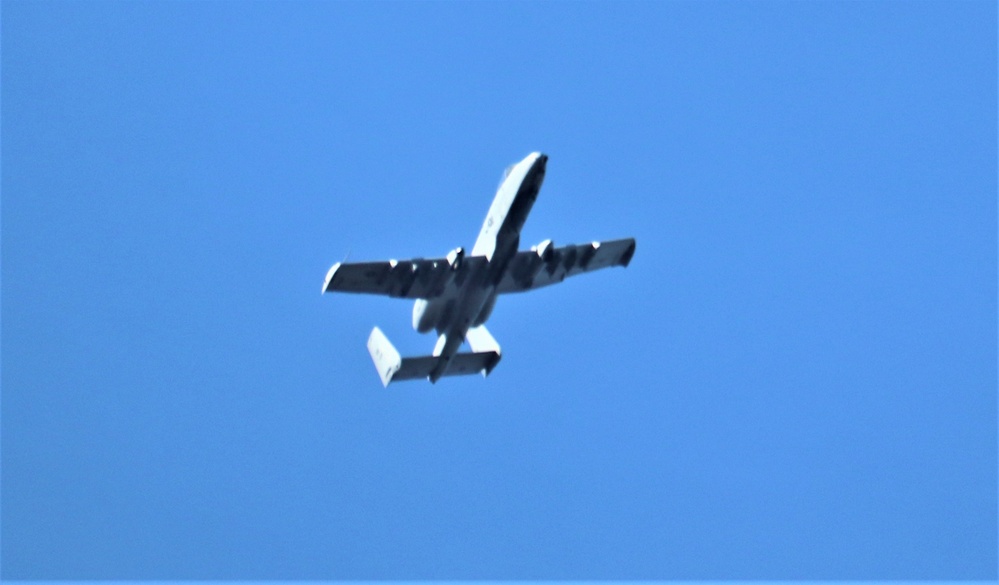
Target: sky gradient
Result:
[794, 379]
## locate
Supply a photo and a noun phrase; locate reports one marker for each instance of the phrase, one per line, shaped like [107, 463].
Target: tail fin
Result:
[481, 341]
[392, 367]
[384, 354]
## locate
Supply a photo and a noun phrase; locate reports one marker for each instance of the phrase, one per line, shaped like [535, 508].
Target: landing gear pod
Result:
[454, 257]
[545, 250]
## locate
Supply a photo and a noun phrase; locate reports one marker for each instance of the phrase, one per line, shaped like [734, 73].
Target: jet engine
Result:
[421, 321]
[427, 315]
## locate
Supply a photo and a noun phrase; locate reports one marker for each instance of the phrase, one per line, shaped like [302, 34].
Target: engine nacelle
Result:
[421, 322]
[454, 257]
[431, 314]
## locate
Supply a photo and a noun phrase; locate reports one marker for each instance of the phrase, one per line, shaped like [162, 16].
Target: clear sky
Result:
[794, 379]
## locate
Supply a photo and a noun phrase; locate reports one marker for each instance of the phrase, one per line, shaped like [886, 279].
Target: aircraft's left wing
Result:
[546, 264]
[412, 279]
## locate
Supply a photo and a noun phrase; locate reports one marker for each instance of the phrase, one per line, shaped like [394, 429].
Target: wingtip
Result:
[626, 259]
[329, 277]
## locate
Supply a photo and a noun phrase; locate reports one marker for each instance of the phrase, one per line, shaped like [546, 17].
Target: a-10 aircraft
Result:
[455, 295]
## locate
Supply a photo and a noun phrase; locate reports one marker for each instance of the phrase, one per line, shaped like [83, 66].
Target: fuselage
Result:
[469, 303]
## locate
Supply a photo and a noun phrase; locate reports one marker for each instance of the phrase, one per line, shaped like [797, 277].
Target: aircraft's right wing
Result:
[412, 279]
[546, 264]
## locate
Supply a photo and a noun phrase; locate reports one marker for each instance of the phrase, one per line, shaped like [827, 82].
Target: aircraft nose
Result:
[542, 160]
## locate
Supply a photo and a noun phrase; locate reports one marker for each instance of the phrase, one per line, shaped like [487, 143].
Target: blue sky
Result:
[794, 379]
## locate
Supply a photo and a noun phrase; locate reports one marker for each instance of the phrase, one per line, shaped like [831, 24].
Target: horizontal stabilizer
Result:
[392, 367]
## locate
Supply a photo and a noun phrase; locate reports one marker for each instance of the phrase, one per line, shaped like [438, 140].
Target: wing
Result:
[412, 279]
[545, 265]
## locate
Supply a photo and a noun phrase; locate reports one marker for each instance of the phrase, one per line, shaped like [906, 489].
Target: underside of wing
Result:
[546, 264]
[412, 279]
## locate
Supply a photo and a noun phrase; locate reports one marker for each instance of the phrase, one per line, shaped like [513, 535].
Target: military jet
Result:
[456, 294]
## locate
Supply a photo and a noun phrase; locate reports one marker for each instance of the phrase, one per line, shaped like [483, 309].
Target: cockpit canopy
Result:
[506, 173]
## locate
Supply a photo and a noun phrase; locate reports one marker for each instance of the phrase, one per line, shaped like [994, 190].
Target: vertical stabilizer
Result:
[384, 354]
[482, 342]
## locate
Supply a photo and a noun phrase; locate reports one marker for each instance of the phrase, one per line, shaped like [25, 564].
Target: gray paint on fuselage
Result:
[470, 303]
